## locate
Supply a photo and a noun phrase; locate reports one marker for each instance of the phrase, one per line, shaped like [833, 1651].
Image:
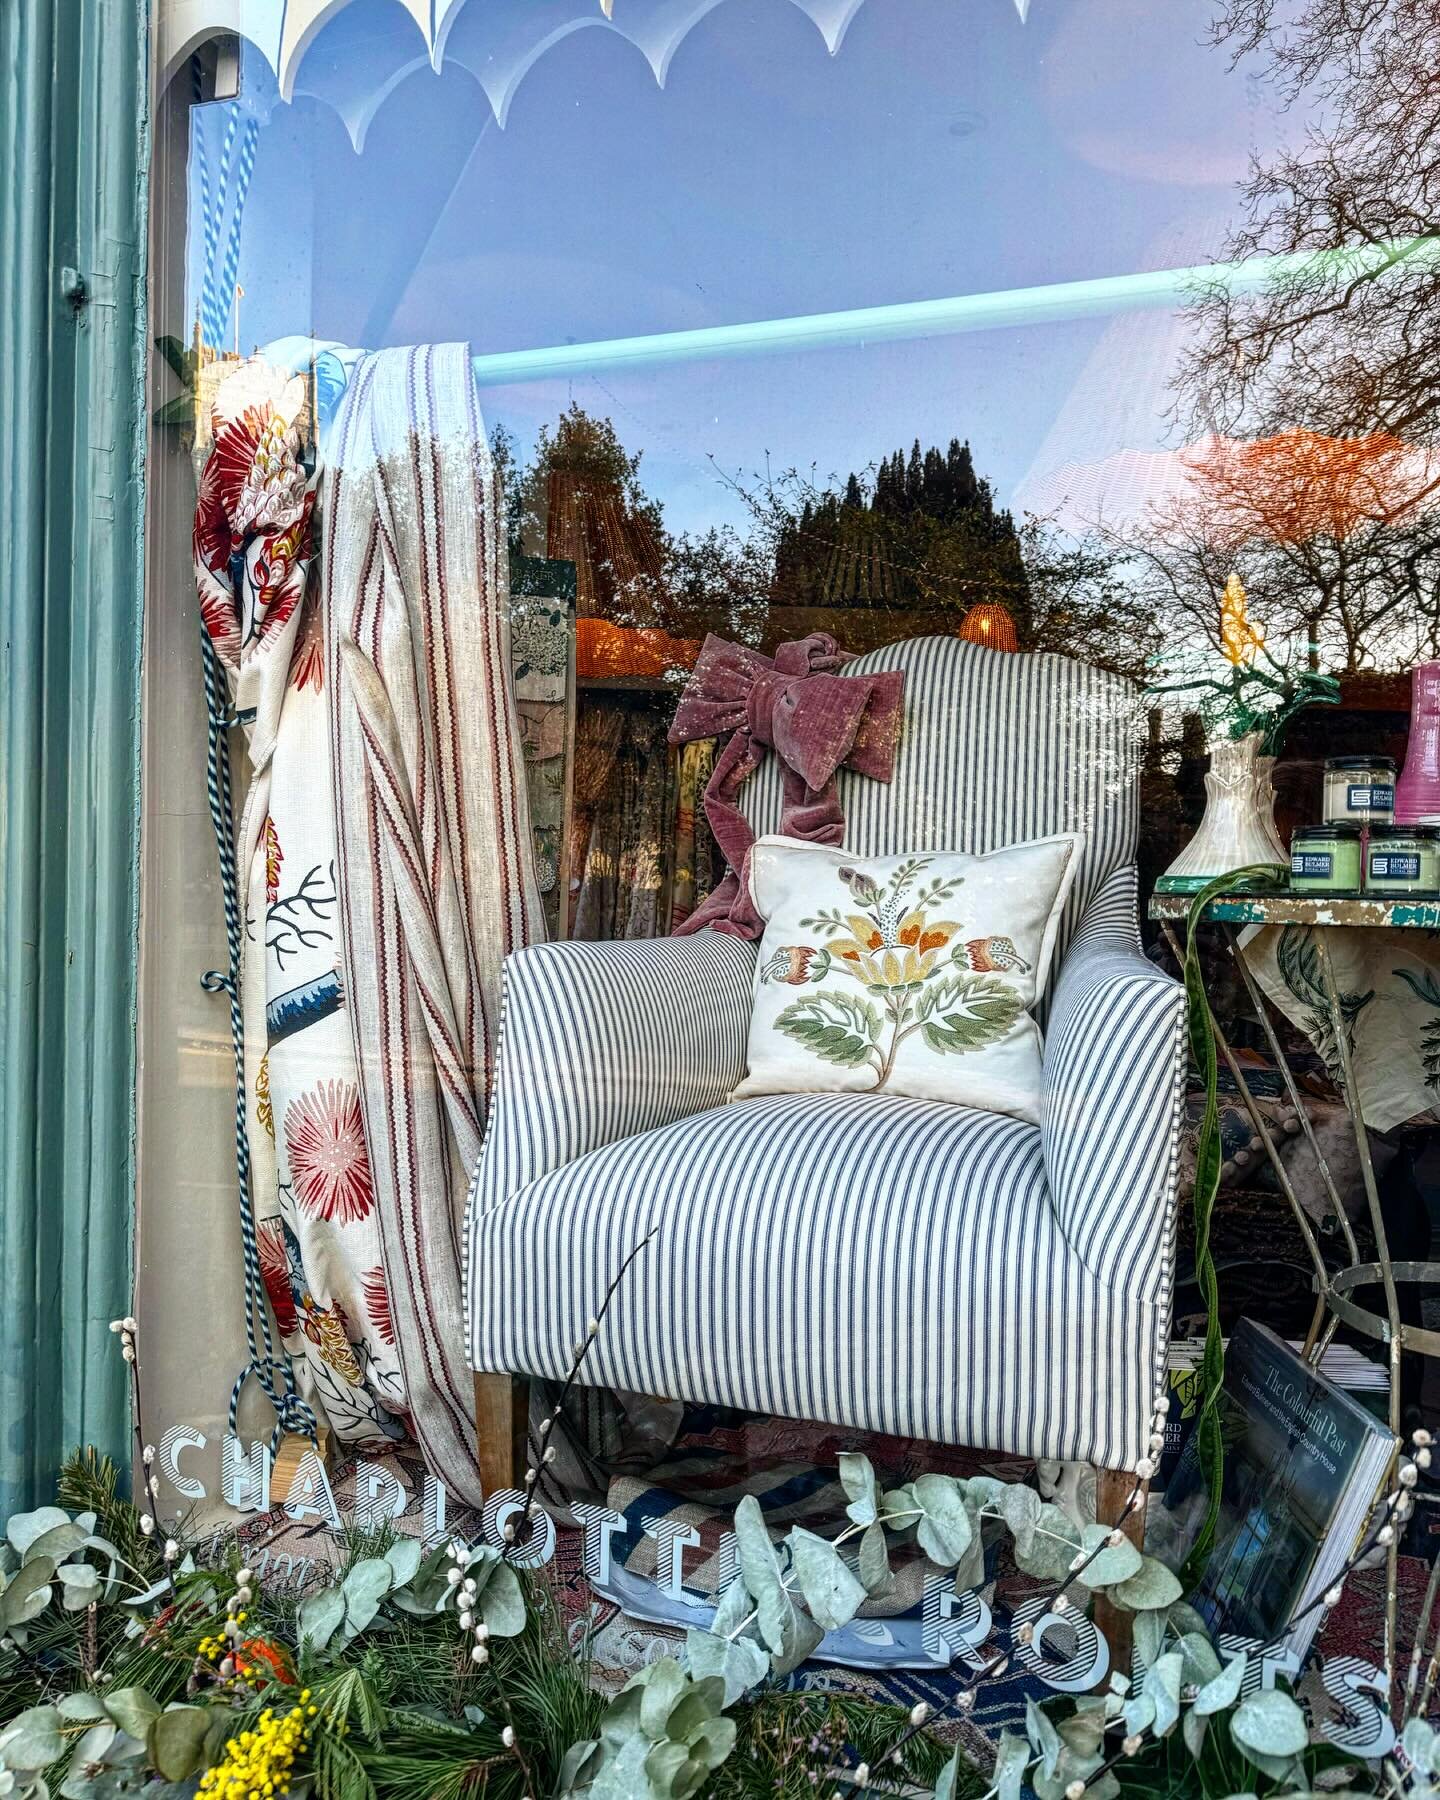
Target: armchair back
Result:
[997, 748]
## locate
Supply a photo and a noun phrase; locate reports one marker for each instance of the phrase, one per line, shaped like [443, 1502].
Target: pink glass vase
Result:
[1417, 793]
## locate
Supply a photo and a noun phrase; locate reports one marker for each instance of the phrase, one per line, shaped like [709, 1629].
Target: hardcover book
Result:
[1304, 1467]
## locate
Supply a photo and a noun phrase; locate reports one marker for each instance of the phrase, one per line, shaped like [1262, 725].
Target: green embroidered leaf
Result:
[835, 1027]
[966, 1012]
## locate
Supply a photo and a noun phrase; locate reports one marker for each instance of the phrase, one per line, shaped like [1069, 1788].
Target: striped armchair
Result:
[894, 1264]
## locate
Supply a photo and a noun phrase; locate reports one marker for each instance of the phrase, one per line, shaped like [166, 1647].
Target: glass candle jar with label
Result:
[1359, 790]
[1403, 859]
[1325, 859]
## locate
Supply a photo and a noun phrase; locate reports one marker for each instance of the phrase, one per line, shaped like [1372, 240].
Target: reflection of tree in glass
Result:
[1316, 400]
[1338, 536]
[1341, 350]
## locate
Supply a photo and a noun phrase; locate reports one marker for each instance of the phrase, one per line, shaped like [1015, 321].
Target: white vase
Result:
[1238, 829]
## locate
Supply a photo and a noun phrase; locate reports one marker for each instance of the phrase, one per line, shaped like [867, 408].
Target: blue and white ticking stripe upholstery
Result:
[603, 1041]
[890, 1263]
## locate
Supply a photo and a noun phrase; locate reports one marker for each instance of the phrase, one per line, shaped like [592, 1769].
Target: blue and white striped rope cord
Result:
[292, 1413]
[244, 169]
[217, 287]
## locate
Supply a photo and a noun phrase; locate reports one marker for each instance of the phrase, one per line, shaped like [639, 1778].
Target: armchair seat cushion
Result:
[879, 1261]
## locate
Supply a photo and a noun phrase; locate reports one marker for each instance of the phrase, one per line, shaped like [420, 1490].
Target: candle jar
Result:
[1325, 859]
[1403, 859]
[1359, 790]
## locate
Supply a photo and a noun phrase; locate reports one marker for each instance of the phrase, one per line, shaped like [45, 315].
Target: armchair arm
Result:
[601, 1041]
[1112, 1091]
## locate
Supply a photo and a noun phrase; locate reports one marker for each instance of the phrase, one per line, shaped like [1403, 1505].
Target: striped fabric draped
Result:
[894, 1264]
[434, 860]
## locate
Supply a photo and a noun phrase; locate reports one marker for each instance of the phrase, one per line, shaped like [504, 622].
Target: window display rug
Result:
[621, 1641]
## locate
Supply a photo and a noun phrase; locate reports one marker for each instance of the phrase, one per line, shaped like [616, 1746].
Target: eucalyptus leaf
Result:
[699, 1706]
[1044, 1739]
[857, 1477]
[831, 1590]
[874, 1559]
[1222, 1690]
[365, 1585]
[945, 1531]
[1151, 1587]
[177, 1741]
[1193, 1728]
[668, 1769]
[1201, 1664]
[661, 1684]
[1019, 1507]
[1149, 1636]
[60, 1541]
[1139, 1714]
[1271, 1723]
[28, 1593]
[24, 1528]
[502, 1604]
[404, 1557]
[799, 1636]
[578, 1765]
[321, 1616]
[80, 1583]
[88, 1753]
[899, 1508]
[760, 1570]
[949, 1775]
[740, 1662]
[733, 1610]
[1115, 1563]
[1053, 1538]
[1162, 1684]
[82, 1708]
[622, 1774]
[713, 1742]
[1011, 1761]
[33, 1740]
[133, 1710]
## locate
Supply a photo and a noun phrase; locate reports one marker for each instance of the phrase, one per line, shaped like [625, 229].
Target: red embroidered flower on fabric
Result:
[275, 1273]
[325, 1140]
[377, 1304]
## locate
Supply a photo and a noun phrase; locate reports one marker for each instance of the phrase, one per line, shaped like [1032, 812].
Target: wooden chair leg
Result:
[1113, 1488]
[502, 1413]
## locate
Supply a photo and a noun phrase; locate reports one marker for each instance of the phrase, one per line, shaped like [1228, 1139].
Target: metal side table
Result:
[1335, 1290]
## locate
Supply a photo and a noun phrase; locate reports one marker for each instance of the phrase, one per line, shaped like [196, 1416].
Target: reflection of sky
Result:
[946, 148]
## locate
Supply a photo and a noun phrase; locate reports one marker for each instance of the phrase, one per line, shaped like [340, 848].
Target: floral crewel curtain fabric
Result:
[385, 861]
[311, 1186]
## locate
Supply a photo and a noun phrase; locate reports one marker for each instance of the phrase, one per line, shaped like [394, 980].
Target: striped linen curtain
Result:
[435, 865]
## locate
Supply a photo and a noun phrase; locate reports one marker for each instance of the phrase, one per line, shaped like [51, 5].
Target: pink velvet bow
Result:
[812, 718]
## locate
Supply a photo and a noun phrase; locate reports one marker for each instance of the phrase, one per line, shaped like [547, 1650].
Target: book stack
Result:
[1305, 1465]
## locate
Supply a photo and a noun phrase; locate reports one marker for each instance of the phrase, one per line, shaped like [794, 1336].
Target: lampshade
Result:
[989, 623]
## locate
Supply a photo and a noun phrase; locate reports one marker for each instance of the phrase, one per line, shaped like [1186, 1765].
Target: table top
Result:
[1303, 909]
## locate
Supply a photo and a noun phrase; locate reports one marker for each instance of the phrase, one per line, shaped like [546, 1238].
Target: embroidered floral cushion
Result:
[907, 974]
